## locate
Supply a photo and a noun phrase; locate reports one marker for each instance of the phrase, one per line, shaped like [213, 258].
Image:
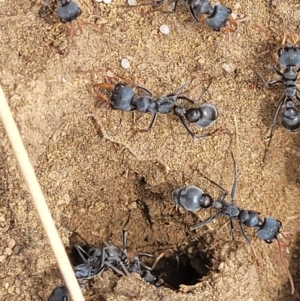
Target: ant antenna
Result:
[285, 267]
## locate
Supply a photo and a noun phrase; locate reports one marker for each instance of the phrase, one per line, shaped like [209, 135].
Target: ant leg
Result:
[194, 16]
[82, 252]
[234, 186]
[281, 102]
[277, 71]
[180, 88]
[185, 98]
[204, 91]
[103, 257]
[186, 126]
[124, 240]
[126, 80]
[143, 264]
[74, 30]
[205, 222]
[145, 89]
[124, 236]
[116, 270]
[76, 233]
[135, 266]
[174, 6]
[234, 22]
[160, 256]
[247, 239]
[231, 229]
[227, 30]
[287, 238]
[206, 135]
[155, 3]
[286, 268]
[117, 258]
[152, 122]
[225, 192]
[105, 86]
[268, 84]
[79, 25]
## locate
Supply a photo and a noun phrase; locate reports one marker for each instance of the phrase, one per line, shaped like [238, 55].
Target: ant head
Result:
[68, 11]
[219, 17]
[269, 229]
[64, 2]
[290, 118]
[289, 55]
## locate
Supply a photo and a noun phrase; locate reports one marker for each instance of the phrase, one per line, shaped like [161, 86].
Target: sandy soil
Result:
[94, 165]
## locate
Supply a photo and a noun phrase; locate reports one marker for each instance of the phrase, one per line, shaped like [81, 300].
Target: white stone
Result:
[132, 2]
[125, 64]
[229, 68]
[164, 29]
[107, 1]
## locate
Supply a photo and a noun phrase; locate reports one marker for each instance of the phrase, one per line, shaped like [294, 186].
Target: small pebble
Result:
[164, 29]
[110, 74]
[98, 1]
[8, 251]
[2, 218]
[132, 2]
[132, 206]
[11, 243]
[229, 68]
[107, 1]
[237, 6]
[125, 64]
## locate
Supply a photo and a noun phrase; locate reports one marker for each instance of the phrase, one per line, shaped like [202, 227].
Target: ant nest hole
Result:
[183, 267]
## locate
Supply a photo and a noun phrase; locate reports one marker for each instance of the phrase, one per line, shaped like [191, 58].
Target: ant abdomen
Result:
[191, 198]
[290, 118]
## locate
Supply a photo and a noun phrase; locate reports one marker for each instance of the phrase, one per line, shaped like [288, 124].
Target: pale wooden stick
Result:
[39, 200]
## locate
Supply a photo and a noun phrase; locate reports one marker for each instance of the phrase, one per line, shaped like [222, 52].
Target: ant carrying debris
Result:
[192, 198]
[289, 60]
[124, 98]
[218, 16]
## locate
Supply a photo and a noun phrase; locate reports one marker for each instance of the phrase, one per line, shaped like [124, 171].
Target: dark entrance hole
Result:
[176, 269]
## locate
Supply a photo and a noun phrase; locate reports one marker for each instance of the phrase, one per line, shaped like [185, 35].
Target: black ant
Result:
[94, 261]
[67, 12]
[289, 60]
[218, 15]
[124, 98]
[192, 198]
[60, 293]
